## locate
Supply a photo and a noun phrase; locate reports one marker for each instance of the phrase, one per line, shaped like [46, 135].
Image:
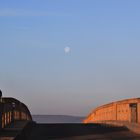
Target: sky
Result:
[67, 57]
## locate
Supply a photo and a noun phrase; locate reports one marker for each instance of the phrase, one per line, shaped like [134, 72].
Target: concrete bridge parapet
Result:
[121, 113]
[11, 110]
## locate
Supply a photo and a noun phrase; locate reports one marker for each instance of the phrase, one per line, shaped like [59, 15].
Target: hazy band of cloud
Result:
[23, 12]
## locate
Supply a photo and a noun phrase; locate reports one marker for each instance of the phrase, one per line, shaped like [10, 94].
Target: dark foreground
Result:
[21, 130]
[80, 132]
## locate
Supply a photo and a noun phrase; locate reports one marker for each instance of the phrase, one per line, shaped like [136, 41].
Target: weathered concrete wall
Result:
[139, 112]
[121, 113]
[116, 111]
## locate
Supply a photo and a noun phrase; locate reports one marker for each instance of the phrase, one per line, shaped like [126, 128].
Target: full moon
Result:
[67, 49]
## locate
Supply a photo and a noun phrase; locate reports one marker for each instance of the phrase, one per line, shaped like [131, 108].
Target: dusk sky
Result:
[69, 56]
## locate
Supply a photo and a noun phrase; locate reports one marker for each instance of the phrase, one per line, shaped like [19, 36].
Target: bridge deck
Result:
[80, 132]
[24, 130]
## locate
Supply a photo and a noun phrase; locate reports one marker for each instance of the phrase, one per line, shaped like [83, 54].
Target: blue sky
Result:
[102, 66]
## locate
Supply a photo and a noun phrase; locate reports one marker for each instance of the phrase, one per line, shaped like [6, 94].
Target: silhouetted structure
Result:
[11, 110]
[0, 93]
[0, 96]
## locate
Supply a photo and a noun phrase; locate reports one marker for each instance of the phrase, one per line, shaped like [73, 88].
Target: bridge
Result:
[16, 124]
[14, 116]
[120, 113]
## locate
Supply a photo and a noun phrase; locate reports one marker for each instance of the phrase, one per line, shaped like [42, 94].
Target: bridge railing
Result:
[11, 109]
